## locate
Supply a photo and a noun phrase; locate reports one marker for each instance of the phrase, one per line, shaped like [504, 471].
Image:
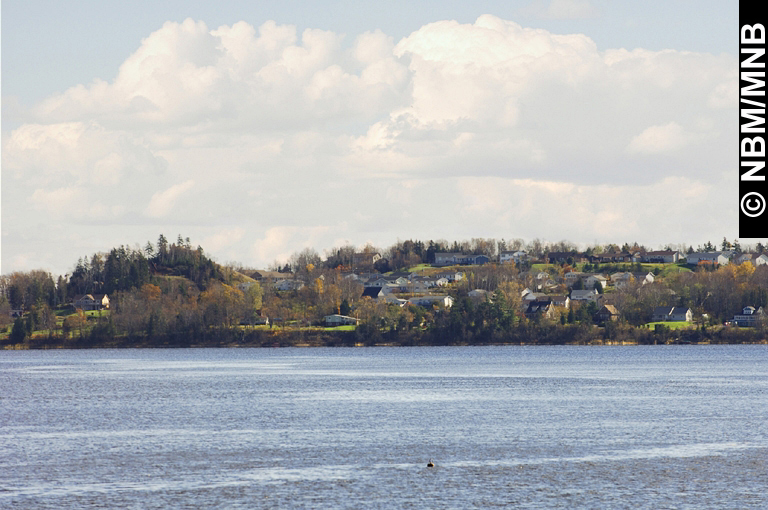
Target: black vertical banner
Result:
[752, 99]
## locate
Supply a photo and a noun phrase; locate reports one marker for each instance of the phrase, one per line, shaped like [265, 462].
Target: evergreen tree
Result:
[344, 308]
[19, 331]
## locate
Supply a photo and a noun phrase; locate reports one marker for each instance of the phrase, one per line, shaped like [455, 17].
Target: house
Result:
[447, 259]
[572, 277]
[392, 299]
[418, 286]
[540, 309]
[365, 259]
[749, 316]
[561, 301]
[289, 285]
[585, 295]
[591, 280]
[644, 278]
[429, 301]
[706, 258]
[257, 320]
[672, 314]
[378, 281]
[755, 258]
[391, 288]
[513, 256]
[339, 320]
[534, 296]
[91, 302]
[451, 276]
[607, 313]
[662, 257]
[479, 294]
[373, 292]
[622, 279]
[548, 284]
[452, 259]
[269, 276]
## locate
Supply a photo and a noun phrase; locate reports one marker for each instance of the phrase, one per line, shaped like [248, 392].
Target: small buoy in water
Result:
[429, 464]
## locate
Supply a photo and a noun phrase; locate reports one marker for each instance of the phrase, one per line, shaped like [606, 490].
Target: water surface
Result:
[526, 427]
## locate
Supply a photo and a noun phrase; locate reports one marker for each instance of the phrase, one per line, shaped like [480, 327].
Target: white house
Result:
[713, 257]
[622, 279]
[428, 301]
[376, 282]
[662, 257]
[513, 256]
[672, 314]
[572, 277]
[339, 320]
[644, 278]
[591, 280]
[585, 295]
[534, 296]
[91, 302]
[390, 288]
[451, 276]
[749, 316]
[448, 259]
[289, 285]
[754, 258]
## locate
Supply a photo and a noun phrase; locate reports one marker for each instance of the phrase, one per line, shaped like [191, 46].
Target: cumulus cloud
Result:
[266, 140]
[279, 242]
[163, 202]
[658, 139]
[185, 74]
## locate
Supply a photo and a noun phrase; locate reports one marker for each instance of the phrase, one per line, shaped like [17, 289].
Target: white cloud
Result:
[185, 75]
[263, 141]
[223, 240]
[163, 202]
[280, 242]
[70, 201]
[561, 210]
[658, 139]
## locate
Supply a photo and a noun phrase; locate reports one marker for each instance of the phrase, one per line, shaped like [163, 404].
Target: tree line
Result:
[172, 289]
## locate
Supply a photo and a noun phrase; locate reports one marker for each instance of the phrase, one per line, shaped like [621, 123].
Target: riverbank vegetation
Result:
[171, 294]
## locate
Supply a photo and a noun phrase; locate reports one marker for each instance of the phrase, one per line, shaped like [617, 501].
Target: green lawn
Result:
[672, 325]
[346, 327]
[419, 267]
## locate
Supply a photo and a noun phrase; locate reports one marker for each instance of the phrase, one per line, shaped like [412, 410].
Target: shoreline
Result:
[233, 338]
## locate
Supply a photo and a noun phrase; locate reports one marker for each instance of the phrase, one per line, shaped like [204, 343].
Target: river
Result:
[518, 427]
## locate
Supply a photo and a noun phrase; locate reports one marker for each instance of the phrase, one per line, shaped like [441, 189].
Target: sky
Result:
[258, 129]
